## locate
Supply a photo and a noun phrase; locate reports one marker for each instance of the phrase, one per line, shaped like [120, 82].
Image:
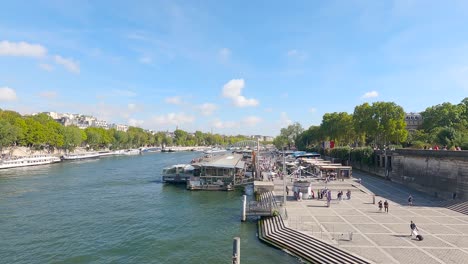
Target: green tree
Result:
[291, 133]
[8, 134]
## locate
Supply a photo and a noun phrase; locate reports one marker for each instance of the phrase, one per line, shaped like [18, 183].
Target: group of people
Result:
[385, 205]
[436, 147]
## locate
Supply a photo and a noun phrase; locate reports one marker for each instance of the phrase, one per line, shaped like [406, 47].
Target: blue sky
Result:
[231, 67]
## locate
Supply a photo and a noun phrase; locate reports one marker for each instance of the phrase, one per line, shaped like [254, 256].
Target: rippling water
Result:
[113, 210]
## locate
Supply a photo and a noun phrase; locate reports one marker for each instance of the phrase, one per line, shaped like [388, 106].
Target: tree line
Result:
[42, 132]
[382, 124]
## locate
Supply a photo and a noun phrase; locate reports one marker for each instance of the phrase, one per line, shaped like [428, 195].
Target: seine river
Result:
[113, 210]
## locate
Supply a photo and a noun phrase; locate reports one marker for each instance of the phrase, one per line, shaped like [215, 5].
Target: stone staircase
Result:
[273, 231]
[459, 206]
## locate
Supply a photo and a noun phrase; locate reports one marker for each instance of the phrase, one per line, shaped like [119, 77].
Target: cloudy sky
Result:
[231, 67]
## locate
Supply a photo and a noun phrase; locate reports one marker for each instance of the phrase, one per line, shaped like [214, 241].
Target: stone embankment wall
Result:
[438, 172]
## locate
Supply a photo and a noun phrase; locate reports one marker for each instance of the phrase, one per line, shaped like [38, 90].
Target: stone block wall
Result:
[437, 172]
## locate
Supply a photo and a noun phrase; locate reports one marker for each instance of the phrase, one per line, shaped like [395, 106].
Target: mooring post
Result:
[373, 199]
[236, 251]
[244, 205]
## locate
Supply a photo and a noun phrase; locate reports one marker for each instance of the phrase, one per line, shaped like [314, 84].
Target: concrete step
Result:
[273, 231]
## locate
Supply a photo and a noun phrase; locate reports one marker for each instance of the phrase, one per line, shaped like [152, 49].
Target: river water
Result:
[113, 210]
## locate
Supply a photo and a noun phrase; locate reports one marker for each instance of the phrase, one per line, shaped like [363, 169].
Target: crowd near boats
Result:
[224, 170]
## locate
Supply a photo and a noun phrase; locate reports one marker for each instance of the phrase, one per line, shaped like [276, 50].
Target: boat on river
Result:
[179, 173]
[130, 152]
[80, 156]
[32, 160]
[218, 173]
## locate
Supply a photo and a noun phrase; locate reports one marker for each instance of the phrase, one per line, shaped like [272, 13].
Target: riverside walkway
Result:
[357, 226]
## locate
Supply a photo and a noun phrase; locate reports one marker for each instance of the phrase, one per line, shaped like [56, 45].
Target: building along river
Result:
[113, 209]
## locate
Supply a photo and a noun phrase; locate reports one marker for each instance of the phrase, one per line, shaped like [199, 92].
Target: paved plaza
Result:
[378, 236]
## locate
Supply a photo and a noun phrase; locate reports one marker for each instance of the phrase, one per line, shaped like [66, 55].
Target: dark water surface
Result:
[113, 210]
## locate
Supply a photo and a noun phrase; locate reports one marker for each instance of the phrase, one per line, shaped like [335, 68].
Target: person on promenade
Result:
[287, 191]
[348, 194]
[410, 200]
[414, 229]
[386, 206]
[380, 206]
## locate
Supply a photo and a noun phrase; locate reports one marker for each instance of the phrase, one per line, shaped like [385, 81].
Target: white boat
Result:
[214, 151]
[179, 173]
[32, 160]
[79, 156]
[131, 152]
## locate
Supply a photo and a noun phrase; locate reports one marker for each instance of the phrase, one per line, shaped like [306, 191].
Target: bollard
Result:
[244, 205]
[373, 199]
[350, 236]
[236, 251]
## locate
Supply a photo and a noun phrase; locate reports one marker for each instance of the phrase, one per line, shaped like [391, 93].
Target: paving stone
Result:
[457, 240]
[428, 241]
[389, 240]
[358, 240]
[450, 255]
[370, 253]
[386, 218]
[347, 211]
[356, 219]
[418, 220]
[447, 220]
[410, 255]
[338, 228]
[333, 218]
[437, 229]
[459, 228]
[399, 228]
[371, 228]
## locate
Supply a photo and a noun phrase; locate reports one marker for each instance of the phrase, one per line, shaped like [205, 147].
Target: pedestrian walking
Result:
[287, 190]
[348, 194]
[386, 206]
[410, 200]
[380, 206]
[414, 228]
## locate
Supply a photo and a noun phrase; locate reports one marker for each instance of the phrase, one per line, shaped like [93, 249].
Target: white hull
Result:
[28, 161]
[132, 152]
[80, 156]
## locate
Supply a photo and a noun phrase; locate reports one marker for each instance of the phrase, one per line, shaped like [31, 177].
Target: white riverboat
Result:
[32, 160]
[214, 151]
[80, 156]
[179, 173]
[131, 152]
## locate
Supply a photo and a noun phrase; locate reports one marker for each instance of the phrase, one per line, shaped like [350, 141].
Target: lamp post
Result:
[284, 176]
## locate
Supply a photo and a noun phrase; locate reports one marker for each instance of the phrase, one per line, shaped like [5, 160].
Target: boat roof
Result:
[229, 161]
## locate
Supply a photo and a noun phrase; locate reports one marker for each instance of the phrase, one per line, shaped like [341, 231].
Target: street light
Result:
[284, 176]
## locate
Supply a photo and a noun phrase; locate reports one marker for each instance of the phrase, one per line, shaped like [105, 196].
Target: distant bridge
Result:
[252, 144]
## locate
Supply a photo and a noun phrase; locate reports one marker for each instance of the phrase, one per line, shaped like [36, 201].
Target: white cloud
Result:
[295, 54]
[312, 110]
[221, 124]
[69, 64]
[251, 120]
[284, 120]
[224, 54]
[269, 110]
[131, 107]
[371, 94]
[7, 94]
[135, 122]
[207, 108]
[176, 100]
[125, 93]
[146, 60]
[233, 90]
[24, 49]
[173, 119]
[46, 67]
[48, 94]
